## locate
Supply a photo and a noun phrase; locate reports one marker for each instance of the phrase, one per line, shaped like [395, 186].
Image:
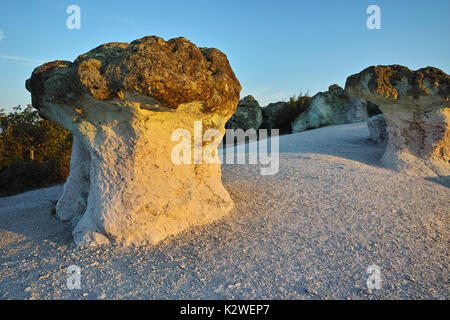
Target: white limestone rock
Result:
[123, 102]
[73, 201]
[416, 107]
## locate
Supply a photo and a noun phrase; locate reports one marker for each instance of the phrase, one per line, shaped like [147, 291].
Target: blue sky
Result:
[276, 48]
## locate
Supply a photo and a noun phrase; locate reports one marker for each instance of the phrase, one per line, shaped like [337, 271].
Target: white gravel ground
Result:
[309, 232]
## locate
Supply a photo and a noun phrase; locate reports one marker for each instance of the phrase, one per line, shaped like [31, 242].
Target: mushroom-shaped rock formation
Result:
[134, 110]
[416, 108]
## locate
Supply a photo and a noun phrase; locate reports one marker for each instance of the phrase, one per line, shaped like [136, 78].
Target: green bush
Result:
[299, 103]
[22, 176]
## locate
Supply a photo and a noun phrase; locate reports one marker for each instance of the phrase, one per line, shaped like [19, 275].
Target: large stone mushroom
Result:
[416, 108]
[123, 102]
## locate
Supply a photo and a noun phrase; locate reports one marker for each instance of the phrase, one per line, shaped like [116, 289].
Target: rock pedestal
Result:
[416, 107]
[377, 129]
[129, 106]
[73, 201]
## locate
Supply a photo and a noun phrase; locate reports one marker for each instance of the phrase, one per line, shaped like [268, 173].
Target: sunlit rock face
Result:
[123, 102]
[416, 108]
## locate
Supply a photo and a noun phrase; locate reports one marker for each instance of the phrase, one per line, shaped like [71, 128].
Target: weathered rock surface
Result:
[248, 115]
[123, 102]
[377, 128]
[73, 201]
[416, 107]
[330, 108]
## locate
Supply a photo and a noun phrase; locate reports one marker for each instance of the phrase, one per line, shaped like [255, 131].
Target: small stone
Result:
[312, 292]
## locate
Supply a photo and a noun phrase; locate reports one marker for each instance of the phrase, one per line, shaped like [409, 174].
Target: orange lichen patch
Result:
[91, 78]
[114, 45]
[384, 86]
[79, 111]
[54, 64]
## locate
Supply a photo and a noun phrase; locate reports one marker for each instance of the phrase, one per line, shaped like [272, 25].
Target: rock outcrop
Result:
[248, 115]
[330, 108]
[130, 105]
[377, 129]
[416, 107]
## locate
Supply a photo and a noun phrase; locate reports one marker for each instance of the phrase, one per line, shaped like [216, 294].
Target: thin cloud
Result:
[2, 35]
[20, 59]
[128, 21]
[266, 96]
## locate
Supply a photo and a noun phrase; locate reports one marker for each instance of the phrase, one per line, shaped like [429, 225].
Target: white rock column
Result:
[138, 195]
[73, 201]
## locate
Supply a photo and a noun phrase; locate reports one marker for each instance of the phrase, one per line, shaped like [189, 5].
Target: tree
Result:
[24, 132]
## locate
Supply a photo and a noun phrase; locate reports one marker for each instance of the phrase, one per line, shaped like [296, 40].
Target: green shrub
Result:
[21, 176]
[299, 103]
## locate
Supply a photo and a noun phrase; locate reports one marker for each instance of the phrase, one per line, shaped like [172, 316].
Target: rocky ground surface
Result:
[309, 232]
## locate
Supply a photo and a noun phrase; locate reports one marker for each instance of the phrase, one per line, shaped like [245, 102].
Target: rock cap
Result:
[172, 72]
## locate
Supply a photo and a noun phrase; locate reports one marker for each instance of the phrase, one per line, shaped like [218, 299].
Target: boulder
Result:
[130, 106]
[377, 129]
[248, 115]
[416, 107]
[330, 108]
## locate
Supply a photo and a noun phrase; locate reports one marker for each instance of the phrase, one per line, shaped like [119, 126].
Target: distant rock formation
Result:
[123, 102]
[248, 115]
[416, 106]
[377, 129]
[330, 108]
